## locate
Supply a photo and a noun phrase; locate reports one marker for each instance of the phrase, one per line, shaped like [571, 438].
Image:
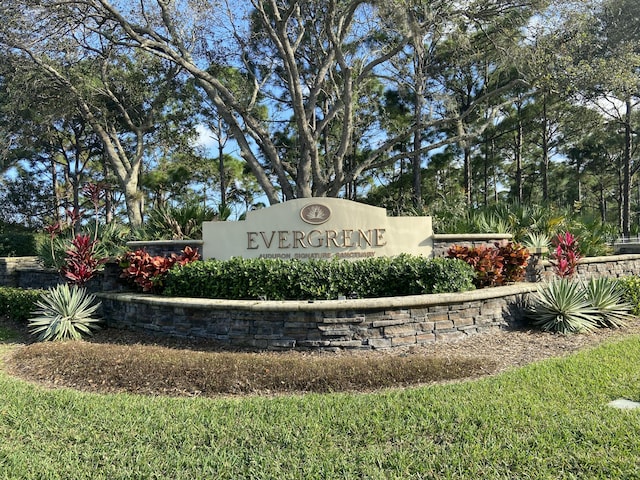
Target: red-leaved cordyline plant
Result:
[515, 259]
[53, 230]
[80, 262]
[146, 272]
[94, 192]
[565, 256]
[503, 263]
[486, 261]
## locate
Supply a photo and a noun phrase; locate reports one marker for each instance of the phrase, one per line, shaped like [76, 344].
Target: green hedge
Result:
[277, 279]
[18, 303]
[17, 244]
[631, 285]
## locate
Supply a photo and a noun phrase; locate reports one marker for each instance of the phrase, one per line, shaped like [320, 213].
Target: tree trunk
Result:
[518, 155]
[416, 159]
[56, 192]
[545, 151]
[134, 203]
[416, 162]
[223, 187]
[468, 174]
[626, 175]
[108, 196]
[487, 156]
[579, 178]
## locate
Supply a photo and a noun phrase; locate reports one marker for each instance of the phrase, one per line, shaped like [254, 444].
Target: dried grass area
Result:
[116, 361]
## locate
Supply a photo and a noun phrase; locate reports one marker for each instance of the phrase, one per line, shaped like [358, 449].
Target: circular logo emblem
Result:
[315, 214]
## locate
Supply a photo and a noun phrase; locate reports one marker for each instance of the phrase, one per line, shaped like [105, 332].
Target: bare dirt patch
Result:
[119, 361]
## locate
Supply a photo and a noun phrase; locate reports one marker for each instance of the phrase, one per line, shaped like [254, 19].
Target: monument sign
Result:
[321, 228]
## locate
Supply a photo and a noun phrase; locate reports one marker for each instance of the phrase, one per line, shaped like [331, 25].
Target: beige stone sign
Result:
[321, 228]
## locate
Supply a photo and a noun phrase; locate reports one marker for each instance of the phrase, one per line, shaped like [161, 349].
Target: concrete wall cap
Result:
[409, 301]
[469, 237]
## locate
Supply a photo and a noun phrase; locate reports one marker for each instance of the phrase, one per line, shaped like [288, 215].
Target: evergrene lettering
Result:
[284, 239]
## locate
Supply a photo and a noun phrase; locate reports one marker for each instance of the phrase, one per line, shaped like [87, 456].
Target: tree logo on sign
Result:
[315, 214]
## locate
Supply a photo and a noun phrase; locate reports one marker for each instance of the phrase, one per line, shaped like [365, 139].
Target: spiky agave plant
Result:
[536, 240]
[561, 306]
[64, 312]
[606, 295]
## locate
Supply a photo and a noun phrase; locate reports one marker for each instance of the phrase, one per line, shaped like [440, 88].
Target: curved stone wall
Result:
[332, 324]
[328, 324]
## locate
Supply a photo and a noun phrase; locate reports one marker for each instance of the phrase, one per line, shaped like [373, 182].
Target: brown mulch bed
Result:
[119, 361]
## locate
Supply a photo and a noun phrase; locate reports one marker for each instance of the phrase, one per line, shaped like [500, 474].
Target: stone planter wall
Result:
[328, 324]
[355, 324]
[27, 272]
[13, 268]
[332, 324]
[613, 266]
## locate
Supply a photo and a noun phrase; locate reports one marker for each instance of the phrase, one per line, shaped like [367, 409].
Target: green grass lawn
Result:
[544, 421]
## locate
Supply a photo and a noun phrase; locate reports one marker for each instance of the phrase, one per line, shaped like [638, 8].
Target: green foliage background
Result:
[18, 303]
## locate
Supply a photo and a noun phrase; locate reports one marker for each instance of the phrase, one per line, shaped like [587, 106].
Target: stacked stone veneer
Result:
[328, 324]
[28, 272]
[13, 269]
[613, 266]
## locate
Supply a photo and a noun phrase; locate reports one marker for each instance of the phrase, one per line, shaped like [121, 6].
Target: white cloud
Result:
[206, 138]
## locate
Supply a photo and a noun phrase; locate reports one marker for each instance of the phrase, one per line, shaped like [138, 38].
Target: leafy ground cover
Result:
[548, 419]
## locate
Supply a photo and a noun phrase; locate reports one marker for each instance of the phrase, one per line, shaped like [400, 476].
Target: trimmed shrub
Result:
[15, 243]
[447, 275]
[631, 289]
[277, 279]
[18, 303]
